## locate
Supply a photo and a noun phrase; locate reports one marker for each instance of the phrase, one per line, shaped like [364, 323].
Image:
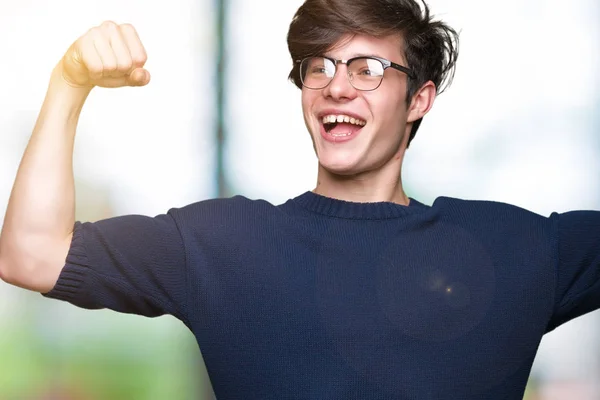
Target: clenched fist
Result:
[108, 55]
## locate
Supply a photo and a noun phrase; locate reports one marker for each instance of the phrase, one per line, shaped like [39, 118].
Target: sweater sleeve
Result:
[131, 264]
[578, 265]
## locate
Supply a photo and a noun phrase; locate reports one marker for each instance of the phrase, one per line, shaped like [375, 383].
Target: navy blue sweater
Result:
[325, 299]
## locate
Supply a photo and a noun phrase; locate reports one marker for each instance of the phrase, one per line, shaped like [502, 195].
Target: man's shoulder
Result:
[224, 212]
[481, 208]
[224, 206]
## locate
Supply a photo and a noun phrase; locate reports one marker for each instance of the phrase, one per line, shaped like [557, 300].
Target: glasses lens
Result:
[365, 73]
[316, 72]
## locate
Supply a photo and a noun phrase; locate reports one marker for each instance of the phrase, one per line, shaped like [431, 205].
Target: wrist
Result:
[60, 88]
[62, 98]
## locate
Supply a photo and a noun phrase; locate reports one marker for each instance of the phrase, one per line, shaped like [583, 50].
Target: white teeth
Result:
[330, 119]
[340, 134]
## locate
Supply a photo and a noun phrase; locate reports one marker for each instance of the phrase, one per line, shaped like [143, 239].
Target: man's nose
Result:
[340, 86]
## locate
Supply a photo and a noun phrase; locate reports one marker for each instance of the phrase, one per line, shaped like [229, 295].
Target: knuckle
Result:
[139, 59]
[95, 32]
[109, 25]
[127, 27]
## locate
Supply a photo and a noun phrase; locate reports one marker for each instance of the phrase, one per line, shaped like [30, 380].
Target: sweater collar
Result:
[353, 210]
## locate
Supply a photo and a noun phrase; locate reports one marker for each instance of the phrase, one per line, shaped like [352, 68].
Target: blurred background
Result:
[519, 125]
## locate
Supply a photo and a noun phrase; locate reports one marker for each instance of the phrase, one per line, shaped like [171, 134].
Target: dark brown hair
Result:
[430, 47]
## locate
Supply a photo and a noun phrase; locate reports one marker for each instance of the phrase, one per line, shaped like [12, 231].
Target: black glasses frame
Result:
[386, 64]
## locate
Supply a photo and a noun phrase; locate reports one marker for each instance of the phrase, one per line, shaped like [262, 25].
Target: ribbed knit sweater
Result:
[320, 298]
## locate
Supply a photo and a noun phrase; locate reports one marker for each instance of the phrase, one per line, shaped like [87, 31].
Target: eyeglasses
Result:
[364, 73]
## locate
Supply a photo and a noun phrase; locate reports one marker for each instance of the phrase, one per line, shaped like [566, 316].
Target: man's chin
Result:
[342, 169]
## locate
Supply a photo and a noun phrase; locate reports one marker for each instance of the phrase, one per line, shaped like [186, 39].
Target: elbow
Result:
[35, 268]
[13, 272]
[5, 263]
[25, 278]
[4, 274]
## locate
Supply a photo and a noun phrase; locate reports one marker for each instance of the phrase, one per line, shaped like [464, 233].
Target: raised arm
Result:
[38, 225]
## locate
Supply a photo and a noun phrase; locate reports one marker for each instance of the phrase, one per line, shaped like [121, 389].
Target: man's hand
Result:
[108, 55]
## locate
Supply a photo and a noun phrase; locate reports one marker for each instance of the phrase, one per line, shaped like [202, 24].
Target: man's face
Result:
[378, 136]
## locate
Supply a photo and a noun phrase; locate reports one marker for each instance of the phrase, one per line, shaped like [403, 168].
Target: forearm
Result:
[41, 209]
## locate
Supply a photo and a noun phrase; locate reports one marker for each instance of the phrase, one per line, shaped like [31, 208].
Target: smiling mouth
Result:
[342, 125]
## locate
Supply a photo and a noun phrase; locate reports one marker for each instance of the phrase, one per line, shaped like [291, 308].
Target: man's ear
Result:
[422, 102]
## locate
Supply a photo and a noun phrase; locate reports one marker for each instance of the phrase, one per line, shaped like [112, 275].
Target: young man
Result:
[350, 291]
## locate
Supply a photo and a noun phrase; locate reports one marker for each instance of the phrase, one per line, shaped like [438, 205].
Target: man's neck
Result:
[366, 188]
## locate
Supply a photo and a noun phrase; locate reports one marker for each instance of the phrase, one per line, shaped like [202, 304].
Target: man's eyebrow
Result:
[363, 55]
[353, 55]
